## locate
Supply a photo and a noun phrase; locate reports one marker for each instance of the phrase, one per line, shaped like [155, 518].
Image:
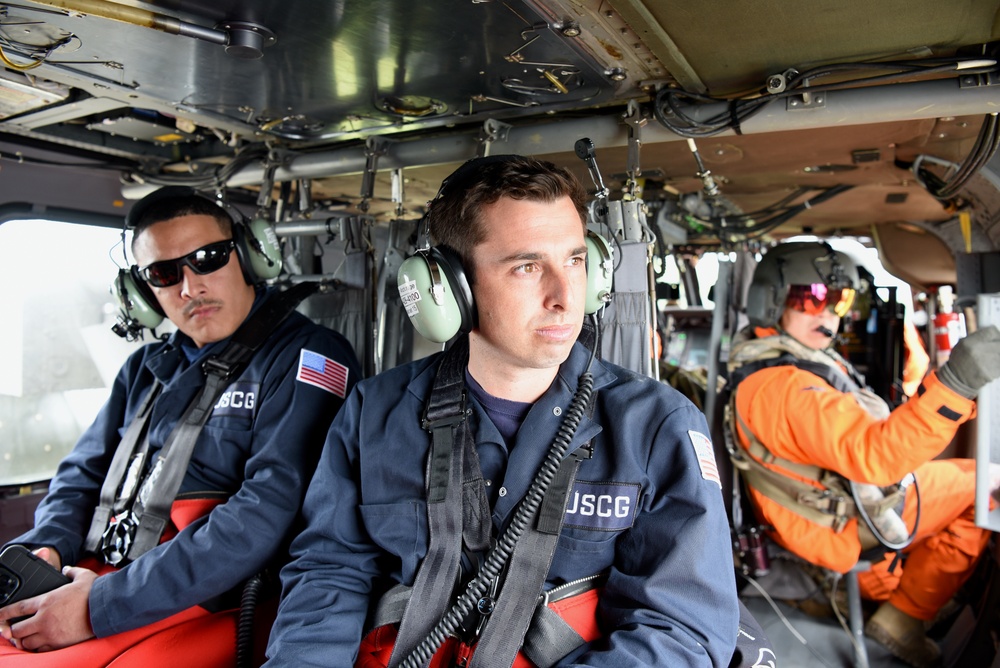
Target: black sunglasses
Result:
[205, 260]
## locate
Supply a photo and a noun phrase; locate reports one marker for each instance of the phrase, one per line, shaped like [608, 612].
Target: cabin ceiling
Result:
[312, 91]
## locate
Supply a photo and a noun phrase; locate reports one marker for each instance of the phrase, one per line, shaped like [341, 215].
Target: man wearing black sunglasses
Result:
[823, 456]
[241, 489]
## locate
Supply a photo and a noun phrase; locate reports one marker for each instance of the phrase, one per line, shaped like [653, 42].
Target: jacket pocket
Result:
[400, 529]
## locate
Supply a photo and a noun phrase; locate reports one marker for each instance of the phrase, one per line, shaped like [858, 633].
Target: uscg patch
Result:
[705, 453]
[604, 506]
[239, 400]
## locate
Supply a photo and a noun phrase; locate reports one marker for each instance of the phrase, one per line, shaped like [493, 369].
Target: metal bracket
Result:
[491, 131]
[635, 121]
[271, 163]
[806, 100]
[305, 195]
[396, 188]
[375, 147]
[979, 80]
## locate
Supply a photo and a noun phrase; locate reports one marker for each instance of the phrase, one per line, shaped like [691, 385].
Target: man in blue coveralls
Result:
[243, 484]
[396, 525]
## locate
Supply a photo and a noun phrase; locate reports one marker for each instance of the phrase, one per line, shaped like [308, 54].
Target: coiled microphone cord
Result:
[478, 586]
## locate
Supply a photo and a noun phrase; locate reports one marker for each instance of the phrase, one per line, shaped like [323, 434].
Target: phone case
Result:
[23, 575]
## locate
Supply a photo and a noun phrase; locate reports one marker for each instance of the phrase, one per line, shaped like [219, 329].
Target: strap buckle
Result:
[217, 367]
[431, 424]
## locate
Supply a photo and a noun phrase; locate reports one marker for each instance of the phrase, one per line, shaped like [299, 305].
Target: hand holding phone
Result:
[24, 575]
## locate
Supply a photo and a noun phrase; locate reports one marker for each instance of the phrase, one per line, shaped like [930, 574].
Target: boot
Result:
[903, 635]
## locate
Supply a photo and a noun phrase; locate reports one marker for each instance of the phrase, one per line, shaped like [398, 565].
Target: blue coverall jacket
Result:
[259, 447]
[670, 599]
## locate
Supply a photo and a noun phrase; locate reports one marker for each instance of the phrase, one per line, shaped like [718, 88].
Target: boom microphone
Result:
[824, 331]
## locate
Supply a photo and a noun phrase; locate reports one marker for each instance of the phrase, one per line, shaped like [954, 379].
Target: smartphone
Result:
[23, 575]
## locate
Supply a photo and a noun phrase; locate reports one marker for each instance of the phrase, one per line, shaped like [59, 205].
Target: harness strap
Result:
[459, 510]
[440, 568]
[159, 489]
[114, 480]
[529, 567]
[830, 507]
[760, 451]
[549, 636]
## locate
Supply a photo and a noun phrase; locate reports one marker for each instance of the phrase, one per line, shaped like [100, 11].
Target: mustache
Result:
[191, 306]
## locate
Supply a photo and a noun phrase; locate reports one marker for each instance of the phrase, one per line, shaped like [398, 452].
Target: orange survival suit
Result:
[801, 419]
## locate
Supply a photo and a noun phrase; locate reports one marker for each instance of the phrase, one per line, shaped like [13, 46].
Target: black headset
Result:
[257, 250]
[435, 289]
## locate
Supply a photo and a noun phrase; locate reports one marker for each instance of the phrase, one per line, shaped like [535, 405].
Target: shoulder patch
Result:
[705, 454]
[322, 372]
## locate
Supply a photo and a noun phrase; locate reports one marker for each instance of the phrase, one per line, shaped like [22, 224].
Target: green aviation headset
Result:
[256, 245]
[435, 289]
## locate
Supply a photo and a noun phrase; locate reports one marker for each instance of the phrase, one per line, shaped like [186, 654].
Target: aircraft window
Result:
[706, 269]
[685, 320]
[58, 355]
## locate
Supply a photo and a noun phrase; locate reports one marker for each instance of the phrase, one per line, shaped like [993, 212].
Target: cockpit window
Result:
[58, 355]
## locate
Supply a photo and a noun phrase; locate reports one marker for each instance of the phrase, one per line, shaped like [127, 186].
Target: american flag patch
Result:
[323, 372]
[705, 453]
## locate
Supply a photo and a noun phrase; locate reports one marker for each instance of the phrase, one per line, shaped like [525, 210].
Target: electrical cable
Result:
[38, 55]
[785, 620]
[863, 514]
[669, 108]
[215, 179]
[20, 68]
[244, 629]
[737, 230]
[982, 151]
[840, 616]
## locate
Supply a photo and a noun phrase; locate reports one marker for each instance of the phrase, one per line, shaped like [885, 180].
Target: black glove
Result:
[974, 362]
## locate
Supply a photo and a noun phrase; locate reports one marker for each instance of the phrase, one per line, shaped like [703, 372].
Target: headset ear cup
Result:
[600, 272]
[135, 300]
[436, 294]
[258, 250]
[265, 250]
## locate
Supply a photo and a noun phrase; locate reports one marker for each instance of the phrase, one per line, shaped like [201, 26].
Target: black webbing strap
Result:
[439, 570]
[527, 570]
[115, 477]
[549, 638]
[159, 489]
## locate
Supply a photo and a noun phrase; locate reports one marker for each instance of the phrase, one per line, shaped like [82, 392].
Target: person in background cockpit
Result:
[809, 431]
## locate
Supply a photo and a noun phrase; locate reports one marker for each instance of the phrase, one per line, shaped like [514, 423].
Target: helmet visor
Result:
[814, 299]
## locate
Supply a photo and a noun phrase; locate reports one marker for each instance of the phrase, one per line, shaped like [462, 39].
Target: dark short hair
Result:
[174, 206]
[455, 215]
